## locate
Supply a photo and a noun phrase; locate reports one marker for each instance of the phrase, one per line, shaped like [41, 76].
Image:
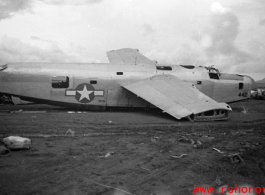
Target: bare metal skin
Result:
[129, 80]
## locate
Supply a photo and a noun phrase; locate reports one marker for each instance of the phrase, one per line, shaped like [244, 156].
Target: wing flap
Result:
[174, 96]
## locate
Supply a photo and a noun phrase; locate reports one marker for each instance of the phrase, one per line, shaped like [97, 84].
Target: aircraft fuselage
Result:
[97, 86]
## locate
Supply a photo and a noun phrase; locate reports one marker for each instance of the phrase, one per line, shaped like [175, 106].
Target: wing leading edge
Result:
[178, 98]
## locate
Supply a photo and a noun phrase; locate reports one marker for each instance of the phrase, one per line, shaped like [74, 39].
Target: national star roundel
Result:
[84, 93]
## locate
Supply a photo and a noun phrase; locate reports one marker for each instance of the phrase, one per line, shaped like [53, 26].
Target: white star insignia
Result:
[85, 93]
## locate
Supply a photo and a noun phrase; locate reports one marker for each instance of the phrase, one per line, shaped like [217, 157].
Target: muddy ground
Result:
[134, 151]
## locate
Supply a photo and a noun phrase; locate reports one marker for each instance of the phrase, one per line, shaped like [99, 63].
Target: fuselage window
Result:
[241, 85]
[188, 66]
[60, 82]
[93, 82]
[164, 68]
[119, 73]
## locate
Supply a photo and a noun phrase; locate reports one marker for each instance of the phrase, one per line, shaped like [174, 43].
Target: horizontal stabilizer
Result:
[178, 98]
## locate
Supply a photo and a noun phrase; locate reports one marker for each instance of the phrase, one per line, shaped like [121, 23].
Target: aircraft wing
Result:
[178, 98]
[128, 55]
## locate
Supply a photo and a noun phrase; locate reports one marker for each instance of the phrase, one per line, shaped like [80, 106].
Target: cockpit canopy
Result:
[213, 72]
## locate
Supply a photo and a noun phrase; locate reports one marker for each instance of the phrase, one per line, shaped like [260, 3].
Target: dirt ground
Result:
[130, 152]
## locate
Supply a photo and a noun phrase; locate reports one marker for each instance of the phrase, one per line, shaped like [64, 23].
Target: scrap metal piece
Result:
[111, 187]
[218, 150]
[16, 142]
[70, 131]
[235, 158]
[153, 139]
[218, 181]
[4, 151]
[178, 156]
[107, 155]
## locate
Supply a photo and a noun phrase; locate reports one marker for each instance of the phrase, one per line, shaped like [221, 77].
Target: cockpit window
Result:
[164, 68]
[213, 72]
[60, 82]
[213, 75]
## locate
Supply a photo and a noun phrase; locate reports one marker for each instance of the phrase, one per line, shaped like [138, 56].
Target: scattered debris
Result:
[153, 139]
[222, 189]
[248, 145]
[70, 131]
[206, 138]
[178, 156]
[244, 111]
[218, 181]
[246, 131]
[184, 139]
[5, 99]
[107, 155]
[17, 111]
[218, 150]
[235, 158]
[197, 144]
[234, 132]
[145, 169]
[78, 112]
[4, 151]
[262, 165]
[34, 112]
[16, 142]
[111, 187]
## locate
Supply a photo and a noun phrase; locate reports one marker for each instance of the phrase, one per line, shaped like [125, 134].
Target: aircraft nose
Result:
[254, 86]
[252, 83]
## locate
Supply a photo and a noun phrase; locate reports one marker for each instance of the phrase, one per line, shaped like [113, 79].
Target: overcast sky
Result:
[229, 34]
